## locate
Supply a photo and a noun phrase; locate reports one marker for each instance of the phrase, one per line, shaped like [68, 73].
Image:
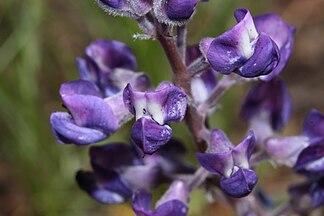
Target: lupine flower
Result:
[295, 149]
[308, 194]
[242, 49]
[119, 170]
[281, 33]
[232, 163]
[204, 83]
[173, 202]
[174, 12]
[95, 103]
[267, 108]
[153, 110]
[128, 8]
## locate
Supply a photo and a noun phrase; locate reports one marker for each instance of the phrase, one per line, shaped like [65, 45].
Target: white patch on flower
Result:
[156, 111]
[233, 60]
[244, 44]
[316, 165]
[198, 90]
[140, 107]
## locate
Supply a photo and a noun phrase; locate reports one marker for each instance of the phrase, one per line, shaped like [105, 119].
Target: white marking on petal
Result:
[140, 108]
[156, 111]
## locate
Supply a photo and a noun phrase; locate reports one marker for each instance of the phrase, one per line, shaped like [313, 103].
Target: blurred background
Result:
[39, 40]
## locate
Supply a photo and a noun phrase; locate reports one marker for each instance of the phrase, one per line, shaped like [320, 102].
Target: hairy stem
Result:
[198, 178]
[181, 41]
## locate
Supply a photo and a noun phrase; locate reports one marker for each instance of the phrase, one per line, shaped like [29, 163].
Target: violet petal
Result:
[314, 125]
[66, 131]
[150, 136]
[240, 184]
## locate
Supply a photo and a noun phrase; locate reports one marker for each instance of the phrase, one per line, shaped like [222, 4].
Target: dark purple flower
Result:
[119, 169]
[232, 163]
[308, 194]
[285, 150]
[153, 110]
[267, 103]
[173, 202]
[128, 8]
[90, 118]
[174, 12]
[110, 65]
[205, 82]
[95, 103]
[281, 33]
[242, 49]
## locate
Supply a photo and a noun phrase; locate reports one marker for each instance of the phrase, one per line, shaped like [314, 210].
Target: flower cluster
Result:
[110, 92]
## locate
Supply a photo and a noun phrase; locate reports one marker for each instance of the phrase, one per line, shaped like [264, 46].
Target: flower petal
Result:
[150, 136]
[281, 33]
[167, 105]
[285, 150]
[142, 203]
[314, 125]
[92, 112]
[221, 163]
[311, 160]
[240, 184]
[88, 182]
[66, 131]
[264, 59]
[174, 12]
[271, 98]
[81, 87]
[243, 151]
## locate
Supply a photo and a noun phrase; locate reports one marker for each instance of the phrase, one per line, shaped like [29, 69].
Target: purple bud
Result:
[285, 150]
[314, 125]
[269, 101]
[242, 49]
[150, 136]
[129, 8]
[240, 184]
[281, 33]
[174, 12]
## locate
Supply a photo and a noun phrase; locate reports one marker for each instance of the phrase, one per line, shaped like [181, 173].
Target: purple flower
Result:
[308, 194]
[310, 161]
[95, 103]
[173, 202]
[232, 163]
[267, 107]
[128, 8]
[153, 110]
[103, 58]
[281, 33]
[242, 49]
[202, 84]
[119, 169]
[174, 12]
